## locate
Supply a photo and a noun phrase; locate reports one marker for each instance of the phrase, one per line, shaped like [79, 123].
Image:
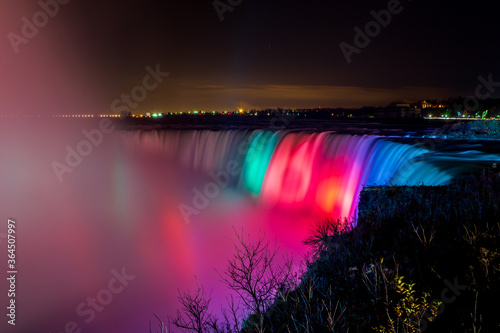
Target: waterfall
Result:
[119, 209]
[322, 173]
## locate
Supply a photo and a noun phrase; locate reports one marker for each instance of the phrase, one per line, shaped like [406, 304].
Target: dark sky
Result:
[264, 54]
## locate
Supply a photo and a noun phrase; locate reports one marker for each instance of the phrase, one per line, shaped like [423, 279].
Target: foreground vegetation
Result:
[418, 259]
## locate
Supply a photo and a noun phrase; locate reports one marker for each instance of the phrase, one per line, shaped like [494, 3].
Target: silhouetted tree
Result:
[253, 274]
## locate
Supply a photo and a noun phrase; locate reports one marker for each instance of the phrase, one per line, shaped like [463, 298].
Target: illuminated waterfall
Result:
[321, 173]
[119, 208]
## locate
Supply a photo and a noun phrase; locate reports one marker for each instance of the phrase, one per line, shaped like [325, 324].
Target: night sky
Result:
[263, 54]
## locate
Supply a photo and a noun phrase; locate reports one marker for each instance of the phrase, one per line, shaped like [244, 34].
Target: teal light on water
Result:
[257, 159]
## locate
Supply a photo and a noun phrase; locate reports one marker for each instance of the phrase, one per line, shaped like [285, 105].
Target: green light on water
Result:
[257, 160]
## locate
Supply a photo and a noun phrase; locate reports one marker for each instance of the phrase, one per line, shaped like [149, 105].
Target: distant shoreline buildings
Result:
[452, 108]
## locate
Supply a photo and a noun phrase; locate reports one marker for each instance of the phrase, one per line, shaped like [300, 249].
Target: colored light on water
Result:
[257, 159]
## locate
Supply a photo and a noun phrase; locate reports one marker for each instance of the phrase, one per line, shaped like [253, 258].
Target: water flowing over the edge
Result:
[322, 173]
[119, 208]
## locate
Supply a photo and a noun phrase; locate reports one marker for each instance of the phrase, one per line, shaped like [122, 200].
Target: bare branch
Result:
[254, 274]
